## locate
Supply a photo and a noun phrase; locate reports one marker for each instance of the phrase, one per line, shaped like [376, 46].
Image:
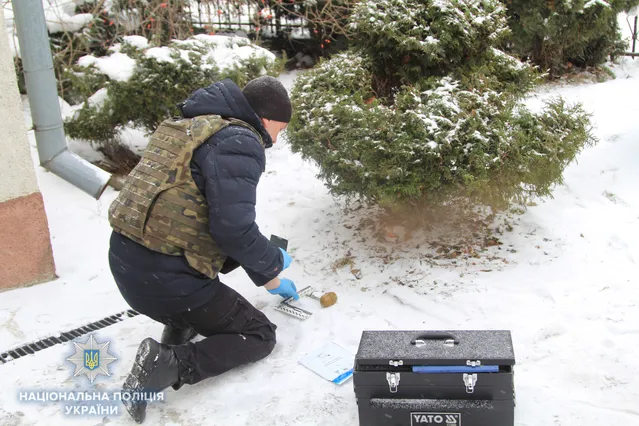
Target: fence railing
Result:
[263, 18]
[313, 22]
[633, 28]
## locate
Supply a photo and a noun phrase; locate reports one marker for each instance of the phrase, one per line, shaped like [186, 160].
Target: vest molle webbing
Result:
[160, 205]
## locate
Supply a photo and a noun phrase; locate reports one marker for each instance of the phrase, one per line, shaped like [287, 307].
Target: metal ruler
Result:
[285, 307]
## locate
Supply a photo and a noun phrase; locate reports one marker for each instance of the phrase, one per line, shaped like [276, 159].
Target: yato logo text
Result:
[436, 419]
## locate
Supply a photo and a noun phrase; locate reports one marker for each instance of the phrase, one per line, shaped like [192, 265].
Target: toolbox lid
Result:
[445, 347]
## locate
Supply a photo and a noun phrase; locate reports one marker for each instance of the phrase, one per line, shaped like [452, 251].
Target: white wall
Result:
[17, 174]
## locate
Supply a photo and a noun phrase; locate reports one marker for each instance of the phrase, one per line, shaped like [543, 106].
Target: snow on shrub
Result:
[560, 34]
[142, 85]
[425, 107]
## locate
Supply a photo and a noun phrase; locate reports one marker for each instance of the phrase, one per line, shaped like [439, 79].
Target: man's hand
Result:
[282, 286]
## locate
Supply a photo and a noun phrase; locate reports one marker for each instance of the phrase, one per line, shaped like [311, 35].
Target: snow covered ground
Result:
[564, 282]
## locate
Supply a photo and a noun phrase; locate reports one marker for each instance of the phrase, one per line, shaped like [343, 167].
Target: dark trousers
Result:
[236, 333]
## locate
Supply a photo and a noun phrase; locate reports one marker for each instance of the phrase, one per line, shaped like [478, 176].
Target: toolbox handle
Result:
[420, 340]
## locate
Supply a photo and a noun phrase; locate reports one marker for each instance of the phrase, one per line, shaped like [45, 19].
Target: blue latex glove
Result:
[286, 289]
[287, 259]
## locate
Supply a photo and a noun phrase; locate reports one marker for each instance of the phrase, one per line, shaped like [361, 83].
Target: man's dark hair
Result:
[269, 99]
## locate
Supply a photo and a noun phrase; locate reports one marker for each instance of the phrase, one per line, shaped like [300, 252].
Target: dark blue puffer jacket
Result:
[226, 169]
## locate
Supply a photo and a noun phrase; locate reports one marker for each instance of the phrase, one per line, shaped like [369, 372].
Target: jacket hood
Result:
[225, 99]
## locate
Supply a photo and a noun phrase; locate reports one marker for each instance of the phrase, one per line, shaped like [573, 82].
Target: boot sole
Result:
[142, 368]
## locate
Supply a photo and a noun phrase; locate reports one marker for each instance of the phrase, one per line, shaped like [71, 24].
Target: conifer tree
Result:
[425, 106]
[560, 34]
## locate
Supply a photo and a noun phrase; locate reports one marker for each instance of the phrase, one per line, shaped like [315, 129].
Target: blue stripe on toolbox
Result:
[456, 369]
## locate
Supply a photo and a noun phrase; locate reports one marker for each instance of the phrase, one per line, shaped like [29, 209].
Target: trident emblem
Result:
[91, 358]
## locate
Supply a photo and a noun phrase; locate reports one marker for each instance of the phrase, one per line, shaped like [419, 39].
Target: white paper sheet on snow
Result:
[332, 362]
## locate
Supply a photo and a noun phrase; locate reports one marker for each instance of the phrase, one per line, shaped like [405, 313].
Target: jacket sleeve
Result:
[232, 170]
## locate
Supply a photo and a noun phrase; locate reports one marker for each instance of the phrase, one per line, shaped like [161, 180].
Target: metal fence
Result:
[261, 18]
[633, 29]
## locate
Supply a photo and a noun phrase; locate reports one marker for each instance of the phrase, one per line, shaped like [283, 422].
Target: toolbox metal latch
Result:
[396, 363]
[470, 380]
[393, 381]
[473, 363]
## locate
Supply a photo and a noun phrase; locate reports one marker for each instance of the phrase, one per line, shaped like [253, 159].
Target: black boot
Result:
[156, 367]
[177, 336]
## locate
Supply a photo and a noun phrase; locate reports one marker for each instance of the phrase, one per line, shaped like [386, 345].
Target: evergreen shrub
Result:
[158, 83]
[558, 35]
[425, 107]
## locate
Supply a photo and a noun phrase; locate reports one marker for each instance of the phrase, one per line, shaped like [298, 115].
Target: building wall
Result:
[18, 176]
[25, 249]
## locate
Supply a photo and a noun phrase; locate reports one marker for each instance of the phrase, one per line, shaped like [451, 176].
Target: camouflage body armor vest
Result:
[160, 206]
